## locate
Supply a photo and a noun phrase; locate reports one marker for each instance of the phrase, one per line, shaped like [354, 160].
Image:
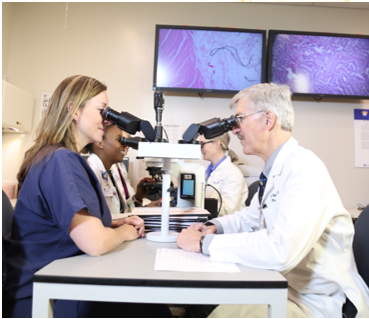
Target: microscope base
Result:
[171, 237]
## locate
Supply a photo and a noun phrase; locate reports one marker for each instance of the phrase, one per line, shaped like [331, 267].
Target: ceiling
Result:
[341, 4]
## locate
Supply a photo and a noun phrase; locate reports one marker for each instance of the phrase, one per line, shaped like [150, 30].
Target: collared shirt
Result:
[270, 162]
[212, 168]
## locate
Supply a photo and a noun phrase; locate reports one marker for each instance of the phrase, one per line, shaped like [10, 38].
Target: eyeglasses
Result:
[239, 118]
[203, 143]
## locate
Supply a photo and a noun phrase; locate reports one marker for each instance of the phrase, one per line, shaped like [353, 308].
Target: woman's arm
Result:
[93, 238]
[135, 221]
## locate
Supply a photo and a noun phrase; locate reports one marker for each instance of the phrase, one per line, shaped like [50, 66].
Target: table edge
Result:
[283, 284]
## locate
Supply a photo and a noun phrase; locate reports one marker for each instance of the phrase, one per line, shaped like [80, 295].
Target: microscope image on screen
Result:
[321, 64]
[209, 59]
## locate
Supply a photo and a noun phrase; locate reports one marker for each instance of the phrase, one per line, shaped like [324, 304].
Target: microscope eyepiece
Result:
[132, 141]
[124, 120]
[229, 123]
[130, 123]
[210, 128]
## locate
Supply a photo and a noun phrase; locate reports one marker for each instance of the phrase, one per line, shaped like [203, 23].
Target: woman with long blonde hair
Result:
[61, 211]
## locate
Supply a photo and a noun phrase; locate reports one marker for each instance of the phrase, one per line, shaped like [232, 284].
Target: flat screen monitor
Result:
[208, 59]
[320, 64]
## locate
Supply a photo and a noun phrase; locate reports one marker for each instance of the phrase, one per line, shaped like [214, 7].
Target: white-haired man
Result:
[296, 223]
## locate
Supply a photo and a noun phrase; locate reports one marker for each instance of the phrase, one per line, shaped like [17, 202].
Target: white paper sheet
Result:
[180, 260]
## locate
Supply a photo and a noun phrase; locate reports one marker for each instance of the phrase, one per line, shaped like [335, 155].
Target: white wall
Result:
[114, 42]
[7, 22]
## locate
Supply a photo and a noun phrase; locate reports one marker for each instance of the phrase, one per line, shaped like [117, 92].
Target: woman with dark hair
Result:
[105, 160]
[61, 211]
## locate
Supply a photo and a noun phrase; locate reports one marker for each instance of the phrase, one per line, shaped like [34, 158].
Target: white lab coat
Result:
[107, 186]
[128, 203]
[304, 232]
[229, 181]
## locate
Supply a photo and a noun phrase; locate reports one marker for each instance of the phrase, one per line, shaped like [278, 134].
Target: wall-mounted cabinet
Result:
[18, 108]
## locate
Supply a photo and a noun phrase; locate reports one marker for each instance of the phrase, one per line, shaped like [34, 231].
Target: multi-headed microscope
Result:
[188, 185]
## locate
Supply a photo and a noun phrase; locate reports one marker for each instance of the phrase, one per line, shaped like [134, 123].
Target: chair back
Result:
[7, 215]
[7, 218]
[211, 205]
[361, 252]
[253, 188]
[361, 244]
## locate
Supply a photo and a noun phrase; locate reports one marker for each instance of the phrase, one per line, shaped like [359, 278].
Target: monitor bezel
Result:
[221, 29]
[271, 38]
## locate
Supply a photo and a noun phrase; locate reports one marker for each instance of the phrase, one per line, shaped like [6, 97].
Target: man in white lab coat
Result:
[296, 225]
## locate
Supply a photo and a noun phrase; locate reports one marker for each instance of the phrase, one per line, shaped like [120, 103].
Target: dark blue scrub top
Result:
[53, 191]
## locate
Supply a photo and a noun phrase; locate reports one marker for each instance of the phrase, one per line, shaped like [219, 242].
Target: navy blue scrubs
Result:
[52, 193]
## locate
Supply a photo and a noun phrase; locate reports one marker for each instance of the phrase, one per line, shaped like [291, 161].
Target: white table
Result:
[127, 275]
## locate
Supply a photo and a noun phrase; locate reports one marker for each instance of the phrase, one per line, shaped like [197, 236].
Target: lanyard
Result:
[105, 176]
[120, 199]
[123, 182]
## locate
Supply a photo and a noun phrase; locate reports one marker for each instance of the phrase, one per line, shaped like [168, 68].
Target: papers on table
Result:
[180, 260]
[173, 211]
[179, 217]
